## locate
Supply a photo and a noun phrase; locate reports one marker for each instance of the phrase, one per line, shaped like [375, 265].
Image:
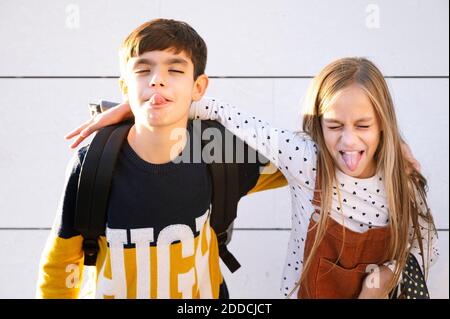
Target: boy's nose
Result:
[156, 80]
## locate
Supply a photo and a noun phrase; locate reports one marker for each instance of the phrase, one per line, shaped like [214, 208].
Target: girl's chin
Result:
[358, 172]
[348, 172]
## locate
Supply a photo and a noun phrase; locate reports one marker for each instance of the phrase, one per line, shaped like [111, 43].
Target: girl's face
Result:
[351, 131]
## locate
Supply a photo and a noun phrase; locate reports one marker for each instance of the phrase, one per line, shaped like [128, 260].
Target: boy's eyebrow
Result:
[176, 61]
[167, 62]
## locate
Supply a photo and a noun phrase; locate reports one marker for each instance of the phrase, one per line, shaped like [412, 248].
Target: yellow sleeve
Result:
[61, 268]
[270, 178]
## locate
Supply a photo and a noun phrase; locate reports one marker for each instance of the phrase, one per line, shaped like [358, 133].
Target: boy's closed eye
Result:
[141, 71]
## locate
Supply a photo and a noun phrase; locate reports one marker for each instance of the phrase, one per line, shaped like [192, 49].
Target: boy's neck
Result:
[155, 144]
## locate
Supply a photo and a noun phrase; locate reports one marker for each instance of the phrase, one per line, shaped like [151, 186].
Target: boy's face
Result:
[160, 87]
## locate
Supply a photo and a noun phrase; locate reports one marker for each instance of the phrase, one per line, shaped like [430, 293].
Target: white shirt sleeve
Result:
[429, 239]
[429, 242]
[294, 153]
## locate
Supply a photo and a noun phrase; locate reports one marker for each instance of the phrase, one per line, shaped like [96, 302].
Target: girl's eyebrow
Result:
[364, 119]
[331, 121]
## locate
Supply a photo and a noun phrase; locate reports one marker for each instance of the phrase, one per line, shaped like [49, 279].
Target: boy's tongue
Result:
[157, 99]
[351, 159]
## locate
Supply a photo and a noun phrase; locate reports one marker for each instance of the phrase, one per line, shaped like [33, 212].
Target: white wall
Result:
[55, 56]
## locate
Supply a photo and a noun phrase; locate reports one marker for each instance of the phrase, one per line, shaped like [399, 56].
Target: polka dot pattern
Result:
[413, 285]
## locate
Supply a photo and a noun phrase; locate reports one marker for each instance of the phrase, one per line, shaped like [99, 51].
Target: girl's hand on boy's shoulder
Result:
[112, 116]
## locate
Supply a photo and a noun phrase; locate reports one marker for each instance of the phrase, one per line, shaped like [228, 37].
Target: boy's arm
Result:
[274, 179]
[257, 177]
[61, 264]
[60, 268]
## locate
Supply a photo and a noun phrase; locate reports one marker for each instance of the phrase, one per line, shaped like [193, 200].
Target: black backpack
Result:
[95, 181]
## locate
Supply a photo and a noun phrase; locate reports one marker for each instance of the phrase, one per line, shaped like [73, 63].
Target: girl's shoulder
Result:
[307, 142]
[304, 136]
[298, 156]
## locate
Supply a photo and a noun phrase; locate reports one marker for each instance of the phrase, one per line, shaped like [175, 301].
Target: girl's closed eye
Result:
[176, 71]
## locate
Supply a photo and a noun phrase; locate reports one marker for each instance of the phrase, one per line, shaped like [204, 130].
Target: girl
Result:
[357, 203]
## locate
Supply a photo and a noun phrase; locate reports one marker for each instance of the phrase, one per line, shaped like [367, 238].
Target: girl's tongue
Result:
[351, 159]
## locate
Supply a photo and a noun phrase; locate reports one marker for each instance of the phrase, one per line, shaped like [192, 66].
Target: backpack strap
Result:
[94, 183]
[225, 197]
[224, 208]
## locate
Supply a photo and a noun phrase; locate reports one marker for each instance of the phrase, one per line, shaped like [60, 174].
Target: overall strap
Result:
[94, 185]
[317, 198]
[225, 195]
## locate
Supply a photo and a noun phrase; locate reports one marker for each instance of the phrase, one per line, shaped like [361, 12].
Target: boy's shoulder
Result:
[73, 168]
[81, 152]
[79, 156]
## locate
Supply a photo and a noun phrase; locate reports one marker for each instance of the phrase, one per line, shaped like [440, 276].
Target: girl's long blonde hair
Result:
[400, 178]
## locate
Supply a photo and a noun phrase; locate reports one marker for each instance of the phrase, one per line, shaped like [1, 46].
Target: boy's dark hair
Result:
[162, 34]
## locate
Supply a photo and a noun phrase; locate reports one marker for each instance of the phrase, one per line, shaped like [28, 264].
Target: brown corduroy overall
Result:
[334, 276]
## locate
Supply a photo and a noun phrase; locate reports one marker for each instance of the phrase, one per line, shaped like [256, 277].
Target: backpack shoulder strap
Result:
[224, 208]
[93, 187]
[225, 198]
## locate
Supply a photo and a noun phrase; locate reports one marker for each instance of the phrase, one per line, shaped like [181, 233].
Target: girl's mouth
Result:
[351, 158]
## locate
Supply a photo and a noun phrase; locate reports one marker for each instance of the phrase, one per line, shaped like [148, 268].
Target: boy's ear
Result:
[123, 89]
[200, 86]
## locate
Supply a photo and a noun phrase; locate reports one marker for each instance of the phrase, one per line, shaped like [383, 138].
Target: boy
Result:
[158, 242]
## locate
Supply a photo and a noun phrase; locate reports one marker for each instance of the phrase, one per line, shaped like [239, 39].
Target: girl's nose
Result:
[348, 137]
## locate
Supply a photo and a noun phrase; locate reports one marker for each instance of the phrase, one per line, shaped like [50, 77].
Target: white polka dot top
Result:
[364, 203]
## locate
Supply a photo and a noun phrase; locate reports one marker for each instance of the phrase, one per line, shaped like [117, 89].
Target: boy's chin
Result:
[148, 122]
[151, 121]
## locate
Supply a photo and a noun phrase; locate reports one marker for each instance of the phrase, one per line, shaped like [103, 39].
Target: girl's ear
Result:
[200, 86]
[124, 89]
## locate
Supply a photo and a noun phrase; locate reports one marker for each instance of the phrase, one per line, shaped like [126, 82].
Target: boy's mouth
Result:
[157, 100]
[351, 158]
